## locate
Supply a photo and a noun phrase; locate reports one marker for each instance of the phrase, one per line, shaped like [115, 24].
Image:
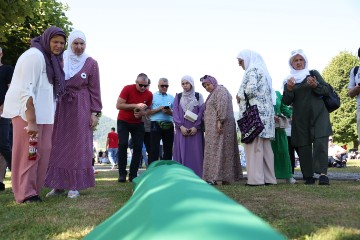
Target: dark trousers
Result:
[137, 135]
[5, 145]
[314, 158]
[292, 154]
[167, 137]
[147, 140]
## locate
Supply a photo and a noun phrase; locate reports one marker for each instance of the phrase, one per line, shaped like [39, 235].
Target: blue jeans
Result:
[5, 145]
[137, 132]
[112, 155]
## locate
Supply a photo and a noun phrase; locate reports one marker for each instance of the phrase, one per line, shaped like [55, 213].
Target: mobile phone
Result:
[166, 107]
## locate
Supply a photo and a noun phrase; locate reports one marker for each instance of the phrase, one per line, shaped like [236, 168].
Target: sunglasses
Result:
[330, 139]
[296, 51]
[143, 85]
[164, 86]
[204, 77]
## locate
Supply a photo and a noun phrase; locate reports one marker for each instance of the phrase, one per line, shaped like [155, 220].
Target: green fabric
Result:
[282, 163]
[280, 108]
[171, 202]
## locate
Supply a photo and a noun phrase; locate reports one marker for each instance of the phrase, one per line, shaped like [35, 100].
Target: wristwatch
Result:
[96, 114]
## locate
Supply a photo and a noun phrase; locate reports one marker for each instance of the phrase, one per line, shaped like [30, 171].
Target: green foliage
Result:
[16, 35]
[343, 120]
[102, 129]
[12, 13]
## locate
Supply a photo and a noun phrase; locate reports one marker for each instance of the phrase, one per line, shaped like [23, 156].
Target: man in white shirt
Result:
[336, 155]
[354, 90]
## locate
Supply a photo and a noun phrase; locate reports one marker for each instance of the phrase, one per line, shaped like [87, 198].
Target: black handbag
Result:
[332, 102]
[250, 124]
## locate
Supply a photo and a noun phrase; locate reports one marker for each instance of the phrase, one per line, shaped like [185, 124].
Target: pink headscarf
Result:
[209, 79]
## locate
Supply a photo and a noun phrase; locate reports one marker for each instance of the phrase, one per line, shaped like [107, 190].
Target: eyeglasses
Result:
[204, 77]
[164, 86]
[296, 51]
[143, 85]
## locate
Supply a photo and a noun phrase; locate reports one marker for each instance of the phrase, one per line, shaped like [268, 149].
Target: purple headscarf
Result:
[209, 79]
[54, 68]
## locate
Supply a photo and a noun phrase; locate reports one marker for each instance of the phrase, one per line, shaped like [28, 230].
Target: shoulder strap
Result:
[179, 97]
[356, 69]
[196, 95]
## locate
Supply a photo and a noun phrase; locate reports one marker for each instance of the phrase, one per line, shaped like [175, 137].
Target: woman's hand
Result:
[93, 121]
[237, 99]
[184, 131]
[193, 131]
[290, 84]
[276, 118]
[219, 127]
[312, 81]
[32, 129]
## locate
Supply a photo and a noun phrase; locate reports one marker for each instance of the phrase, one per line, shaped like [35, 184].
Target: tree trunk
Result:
[356, 143]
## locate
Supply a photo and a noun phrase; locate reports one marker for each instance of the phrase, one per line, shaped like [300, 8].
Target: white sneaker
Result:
[55, 192]
[73, 194]
[291, 180]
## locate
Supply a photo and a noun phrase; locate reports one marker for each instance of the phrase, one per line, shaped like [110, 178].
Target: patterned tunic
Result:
[70, 165]
[221, 156]
[258, 92]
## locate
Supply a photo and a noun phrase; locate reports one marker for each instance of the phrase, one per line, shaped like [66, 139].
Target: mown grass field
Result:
[298, 211]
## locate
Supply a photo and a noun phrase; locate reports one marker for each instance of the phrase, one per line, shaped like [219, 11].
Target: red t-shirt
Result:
[132, 95]
[113, 140]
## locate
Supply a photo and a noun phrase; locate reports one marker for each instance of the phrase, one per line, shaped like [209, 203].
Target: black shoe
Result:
[122, 179]
[2, 186]
[309, 180]
[324, 180]
[32, 199]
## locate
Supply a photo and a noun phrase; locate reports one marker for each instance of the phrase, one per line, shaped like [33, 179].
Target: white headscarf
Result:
[73, 63]
[299, 75]
[253, 60]
[188, 100]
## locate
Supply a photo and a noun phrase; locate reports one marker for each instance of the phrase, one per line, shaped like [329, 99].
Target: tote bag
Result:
[250, 124]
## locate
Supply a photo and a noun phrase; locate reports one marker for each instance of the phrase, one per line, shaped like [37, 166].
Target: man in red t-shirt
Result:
[133, 102]
[112, 144]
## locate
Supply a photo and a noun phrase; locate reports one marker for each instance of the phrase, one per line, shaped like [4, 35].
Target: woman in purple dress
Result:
[77, 110]
[189, 138]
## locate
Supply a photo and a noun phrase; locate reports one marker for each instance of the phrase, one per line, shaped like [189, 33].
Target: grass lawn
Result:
[298, 211]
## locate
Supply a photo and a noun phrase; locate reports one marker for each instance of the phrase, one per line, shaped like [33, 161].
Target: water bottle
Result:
[33, 142]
